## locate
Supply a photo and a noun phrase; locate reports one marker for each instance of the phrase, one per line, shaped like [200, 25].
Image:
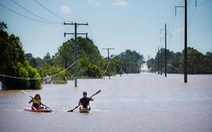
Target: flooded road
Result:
[131, 103]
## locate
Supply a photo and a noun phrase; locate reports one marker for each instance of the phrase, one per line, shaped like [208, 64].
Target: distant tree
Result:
[3, 26]
[89, 57]
[131, 61]
[33, 62]
[158, 61]
[195, 61]
[28, 56]
[208, 63]
[52, 74]
[39, 61]
[65, 55]
[47, 57]
[151, 65]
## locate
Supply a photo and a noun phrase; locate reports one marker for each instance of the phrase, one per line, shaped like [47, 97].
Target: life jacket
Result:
[36, 102]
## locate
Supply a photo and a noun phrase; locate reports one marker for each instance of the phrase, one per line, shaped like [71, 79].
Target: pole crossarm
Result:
[74, 34]
[72, 23]
[108, 48]
[178, 7]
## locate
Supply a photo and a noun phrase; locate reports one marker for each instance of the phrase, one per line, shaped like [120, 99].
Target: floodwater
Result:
[131, 103]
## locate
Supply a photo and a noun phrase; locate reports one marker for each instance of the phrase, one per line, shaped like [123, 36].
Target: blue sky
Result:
[120, 24]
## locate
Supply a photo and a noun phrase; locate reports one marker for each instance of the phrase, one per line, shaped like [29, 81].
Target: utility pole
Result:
[108, 58]
[75, 48]
[165, 57]
[161, 59]
[185, 42]
[185, 48]
[158, 60]
[165, 52]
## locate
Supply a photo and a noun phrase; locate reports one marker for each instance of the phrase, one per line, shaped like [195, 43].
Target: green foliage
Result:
[197, 62]
[52, 74]
[89, 69]
[65, 55]
[89, 58]
[208, 63]
[130, 61]
[13, 63]
[151, 64]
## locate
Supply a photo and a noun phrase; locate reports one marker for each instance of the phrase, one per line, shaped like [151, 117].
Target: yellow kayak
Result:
[83, 110]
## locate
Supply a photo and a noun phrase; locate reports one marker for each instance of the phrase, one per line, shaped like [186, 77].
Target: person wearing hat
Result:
[84, 102]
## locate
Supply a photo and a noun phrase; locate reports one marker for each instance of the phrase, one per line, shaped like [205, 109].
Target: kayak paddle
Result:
[90, 97]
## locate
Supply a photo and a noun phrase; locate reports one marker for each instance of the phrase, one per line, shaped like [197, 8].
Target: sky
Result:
[120, 24]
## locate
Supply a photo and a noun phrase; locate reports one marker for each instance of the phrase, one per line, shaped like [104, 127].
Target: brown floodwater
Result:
[131, 103]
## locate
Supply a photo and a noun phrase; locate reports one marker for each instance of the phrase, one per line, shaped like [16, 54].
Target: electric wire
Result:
[49, 10]
[22, 14]
[203, 3]
[172, 14]
[49, 76]
[34, 13]
[191, 17]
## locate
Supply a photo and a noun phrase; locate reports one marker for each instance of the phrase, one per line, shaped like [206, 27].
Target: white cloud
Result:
[65, 9]
[120, 3]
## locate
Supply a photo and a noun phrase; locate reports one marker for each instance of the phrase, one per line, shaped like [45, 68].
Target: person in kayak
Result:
[36, 102]
[84, 101]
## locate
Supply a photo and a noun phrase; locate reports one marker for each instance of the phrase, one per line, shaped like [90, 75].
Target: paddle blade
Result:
[96, 93]
[73, 109]
[70, 111]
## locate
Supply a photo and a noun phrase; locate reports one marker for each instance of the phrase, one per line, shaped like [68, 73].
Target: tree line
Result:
[198, 63]
[20, 70]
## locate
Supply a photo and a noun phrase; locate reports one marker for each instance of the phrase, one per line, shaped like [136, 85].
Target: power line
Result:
[49, 10]
[172, 13]
[22, 78]
[23, 15]
[192, 17]
[33, 13]
[203, 3]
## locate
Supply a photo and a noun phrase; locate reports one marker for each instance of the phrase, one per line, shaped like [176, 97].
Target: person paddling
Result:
[84, 102]
[36, 102]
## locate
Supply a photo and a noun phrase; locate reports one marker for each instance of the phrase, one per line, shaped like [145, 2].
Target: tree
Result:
[89, 57]
[131, 61]
[65, 55]
[52, 74]
[15, 69]
[195, 61]
[151, 65]
[208, 63]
